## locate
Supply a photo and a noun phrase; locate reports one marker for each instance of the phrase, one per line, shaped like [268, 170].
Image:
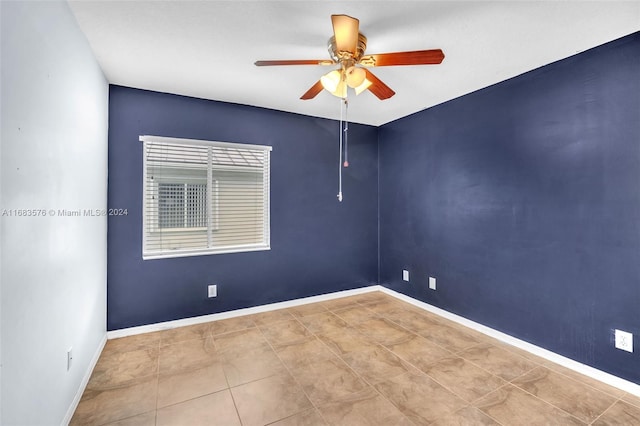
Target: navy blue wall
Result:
[523, 200]
[318, 245]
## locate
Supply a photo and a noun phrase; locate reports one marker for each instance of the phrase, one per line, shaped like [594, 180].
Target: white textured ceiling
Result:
[206, 49]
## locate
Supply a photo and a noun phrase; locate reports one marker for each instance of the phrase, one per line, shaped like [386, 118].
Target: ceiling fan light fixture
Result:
[346, 48]
[362, 87]
[355, 76]
[341, 90]
[331, 80]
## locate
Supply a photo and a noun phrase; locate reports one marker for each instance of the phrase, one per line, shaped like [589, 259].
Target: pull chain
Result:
[346, 133]
[340, 162]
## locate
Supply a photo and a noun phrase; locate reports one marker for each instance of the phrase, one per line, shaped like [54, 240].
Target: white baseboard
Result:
[85, 381]
[237, 313]
[586, 370]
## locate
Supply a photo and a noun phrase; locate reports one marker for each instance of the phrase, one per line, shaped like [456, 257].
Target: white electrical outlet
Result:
[432, 283]
[69, 358]
[405, 275]
[213, 290]
[624, 340]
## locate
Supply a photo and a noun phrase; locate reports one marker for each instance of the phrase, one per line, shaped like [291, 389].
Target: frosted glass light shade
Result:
[355, 76]
[331, 80]
[362, 87]
[341, 90]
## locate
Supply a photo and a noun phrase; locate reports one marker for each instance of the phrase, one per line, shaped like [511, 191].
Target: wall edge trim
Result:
[167, 325]
[85, 381]
[563, 361]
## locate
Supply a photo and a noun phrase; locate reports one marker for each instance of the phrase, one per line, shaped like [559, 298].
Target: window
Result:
[182, 205]
[203, 197]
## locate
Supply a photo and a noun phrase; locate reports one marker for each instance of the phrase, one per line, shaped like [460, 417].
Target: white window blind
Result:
[204, 197]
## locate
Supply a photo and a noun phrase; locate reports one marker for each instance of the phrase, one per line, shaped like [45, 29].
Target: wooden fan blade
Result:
[313, 92]
[345, 29]
[417, 57]
[295, 62]
[378, 88]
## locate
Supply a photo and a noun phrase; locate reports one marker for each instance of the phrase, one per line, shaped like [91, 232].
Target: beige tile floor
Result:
[362, 360]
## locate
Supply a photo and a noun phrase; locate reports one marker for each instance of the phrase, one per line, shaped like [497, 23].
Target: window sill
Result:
[205, 252]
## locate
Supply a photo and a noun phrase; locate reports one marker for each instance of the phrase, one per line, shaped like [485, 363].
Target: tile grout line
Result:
[291, 374]
[142, 378]
[351, 369]
[583, 383]
[484, 412]
[378, 314]
[473, 407]
[145, 347]
[607, 409]
[451, 354]
[459, 355]
[419, 335]
[226, 378]
[551, 366]
[454, 354]
[546, 402]
[533, 395]
[182, 342]
[615, 398]
[628, 395]
[365, 380]
[510, 382]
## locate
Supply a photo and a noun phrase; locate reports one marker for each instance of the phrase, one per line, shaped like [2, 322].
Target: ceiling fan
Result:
[346, 49]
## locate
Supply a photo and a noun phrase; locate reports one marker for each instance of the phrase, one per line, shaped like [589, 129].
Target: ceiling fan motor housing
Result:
[346, 58]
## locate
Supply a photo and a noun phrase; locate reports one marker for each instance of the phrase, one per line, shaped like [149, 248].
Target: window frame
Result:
[265, 244]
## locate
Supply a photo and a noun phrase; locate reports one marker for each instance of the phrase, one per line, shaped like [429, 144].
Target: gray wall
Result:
[54, 156]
